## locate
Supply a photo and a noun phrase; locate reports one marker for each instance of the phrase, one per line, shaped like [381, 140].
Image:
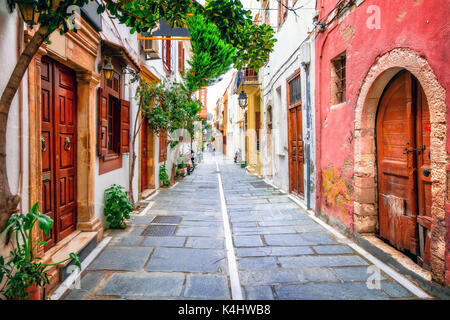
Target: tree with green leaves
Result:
[252, 43]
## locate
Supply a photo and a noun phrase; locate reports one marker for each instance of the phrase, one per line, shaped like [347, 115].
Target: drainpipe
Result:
[308, 138]
[20, 36]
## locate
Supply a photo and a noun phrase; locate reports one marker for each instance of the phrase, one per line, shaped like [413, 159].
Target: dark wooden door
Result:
[59, 148]
[403, 153]
[144, 157]
[296, 159]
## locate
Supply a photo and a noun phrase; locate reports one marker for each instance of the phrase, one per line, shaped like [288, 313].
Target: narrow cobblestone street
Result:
[176, 249]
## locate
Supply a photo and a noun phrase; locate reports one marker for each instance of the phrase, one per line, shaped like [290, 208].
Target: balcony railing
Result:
[246, 76]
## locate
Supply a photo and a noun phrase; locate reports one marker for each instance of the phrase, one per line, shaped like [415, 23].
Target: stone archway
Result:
[365, 168]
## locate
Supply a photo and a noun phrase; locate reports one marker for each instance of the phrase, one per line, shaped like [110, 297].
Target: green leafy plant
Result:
[182, 165]
[117, 206]
[163, 176]
[23, 269]
[173, 144]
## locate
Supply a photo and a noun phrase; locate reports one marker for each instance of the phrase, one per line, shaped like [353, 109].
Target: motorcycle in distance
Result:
[237, 156]
[191, 166]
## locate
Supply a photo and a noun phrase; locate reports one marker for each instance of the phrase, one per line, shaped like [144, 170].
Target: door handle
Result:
[67, 144]
[426, 172]
[415, 149]
[43, 144]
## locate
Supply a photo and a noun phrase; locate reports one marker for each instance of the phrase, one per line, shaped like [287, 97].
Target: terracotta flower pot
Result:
[35, 292]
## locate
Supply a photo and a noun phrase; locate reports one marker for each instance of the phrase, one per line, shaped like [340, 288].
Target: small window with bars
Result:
[295, 93]
[338, 79]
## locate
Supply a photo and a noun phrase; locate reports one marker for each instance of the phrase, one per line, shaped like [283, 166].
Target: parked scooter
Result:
[237, 156]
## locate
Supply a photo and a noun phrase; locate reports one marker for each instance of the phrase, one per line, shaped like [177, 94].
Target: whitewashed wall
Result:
[120, 35]
[283, 62]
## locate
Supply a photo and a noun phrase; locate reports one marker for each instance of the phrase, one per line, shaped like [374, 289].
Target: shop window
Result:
[338, 79]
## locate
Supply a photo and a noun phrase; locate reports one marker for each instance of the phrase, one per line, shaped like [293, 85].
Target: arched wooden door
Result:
[404, 172]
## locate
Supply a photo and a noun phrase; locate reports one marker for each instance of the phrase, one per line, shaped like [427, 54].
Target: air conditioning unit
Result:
[151, 50]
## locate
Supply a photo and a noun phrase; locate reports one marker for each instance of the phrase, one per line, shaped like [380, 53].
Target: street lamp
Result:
[108, 69]
[243, 99]
[28, 10]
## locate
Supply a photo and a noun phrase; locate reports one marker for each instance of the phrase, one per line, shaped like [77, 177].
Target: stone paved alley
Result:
[281, 253]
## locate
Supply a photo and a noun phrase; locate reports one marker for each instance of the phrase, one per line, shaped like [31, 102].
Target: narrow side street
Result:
[177, 248]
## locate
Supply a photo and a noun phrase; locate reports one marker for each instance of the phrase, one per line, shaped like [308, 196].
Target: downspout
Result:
[308, 138]
[20, 36]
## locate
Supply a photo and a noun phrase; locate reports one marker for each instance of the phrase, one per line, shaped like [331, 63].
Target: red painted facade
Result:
[419, 25]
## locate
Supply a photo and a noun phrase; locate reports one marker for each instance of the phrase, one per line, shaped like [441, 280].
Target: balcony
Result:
[246, 79]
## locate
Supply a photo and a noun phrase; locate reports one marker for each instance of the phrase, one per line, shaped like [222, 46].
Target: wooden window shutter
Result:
[180, 56]
[124, 126]
[102, 126]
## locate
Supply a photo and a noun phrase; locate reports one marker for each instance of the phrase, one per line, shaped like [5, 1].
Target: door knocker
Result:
[43, 145]
[67, 144]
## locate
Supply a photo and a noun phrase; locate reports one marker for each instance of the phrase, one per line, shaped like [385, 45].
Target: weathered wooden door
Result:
[144, 158]
[404, 175]
[58, 147]
[295, 135]
[296, 159]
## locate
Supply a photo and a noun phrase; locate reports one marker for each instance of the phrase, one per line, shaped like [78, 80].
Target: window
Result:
[295, 93]
[167, 55]
[338, 79]
[282, 11]
[162, 146]
[113, 131]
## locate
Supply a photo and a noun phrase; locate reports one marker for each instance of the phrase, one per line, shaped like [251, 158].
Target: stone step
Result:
[82, 244]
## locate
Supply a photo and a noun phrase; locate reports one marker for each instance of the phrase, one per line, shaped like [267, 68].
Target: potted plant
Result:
[117, 207]
[182, 168]
[163, 176]
[25, 274]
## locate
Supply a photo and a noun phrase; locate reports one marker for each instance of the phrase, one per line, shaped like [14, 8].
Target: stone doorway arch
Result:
[382, 71]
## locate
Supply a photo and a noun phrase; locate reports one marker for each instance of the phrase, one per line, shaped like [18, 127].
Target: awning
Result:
[112, 49]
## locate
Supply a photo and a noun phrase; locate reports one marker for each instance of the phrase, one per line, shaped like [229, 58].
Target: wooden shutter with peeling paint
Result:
[124, 126]
[102, 125]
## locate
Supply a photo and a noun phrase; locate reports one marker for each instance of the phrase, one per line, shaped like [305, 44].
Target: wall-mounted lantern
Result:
[28, 10]
[108, 69]
[243, 98]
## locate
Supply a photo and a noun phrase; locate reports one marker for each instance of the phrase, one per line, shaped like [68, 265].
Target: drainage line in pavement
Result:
[236, 291]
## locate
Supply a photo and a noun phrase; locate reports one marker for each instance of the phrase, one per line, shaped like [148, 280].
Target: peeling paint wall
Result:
[414, 31]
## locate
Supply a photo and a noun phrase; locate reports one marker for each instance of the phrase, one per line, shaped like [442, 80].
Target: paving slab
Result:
[322, 261]
[144, 284]
[258, 293]
[299, 239]
[186, 260]
[207, 287]
[247, 241]
[329, 291]
[121, 258]
[164, 241]
[355, 274]
[205, 243]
